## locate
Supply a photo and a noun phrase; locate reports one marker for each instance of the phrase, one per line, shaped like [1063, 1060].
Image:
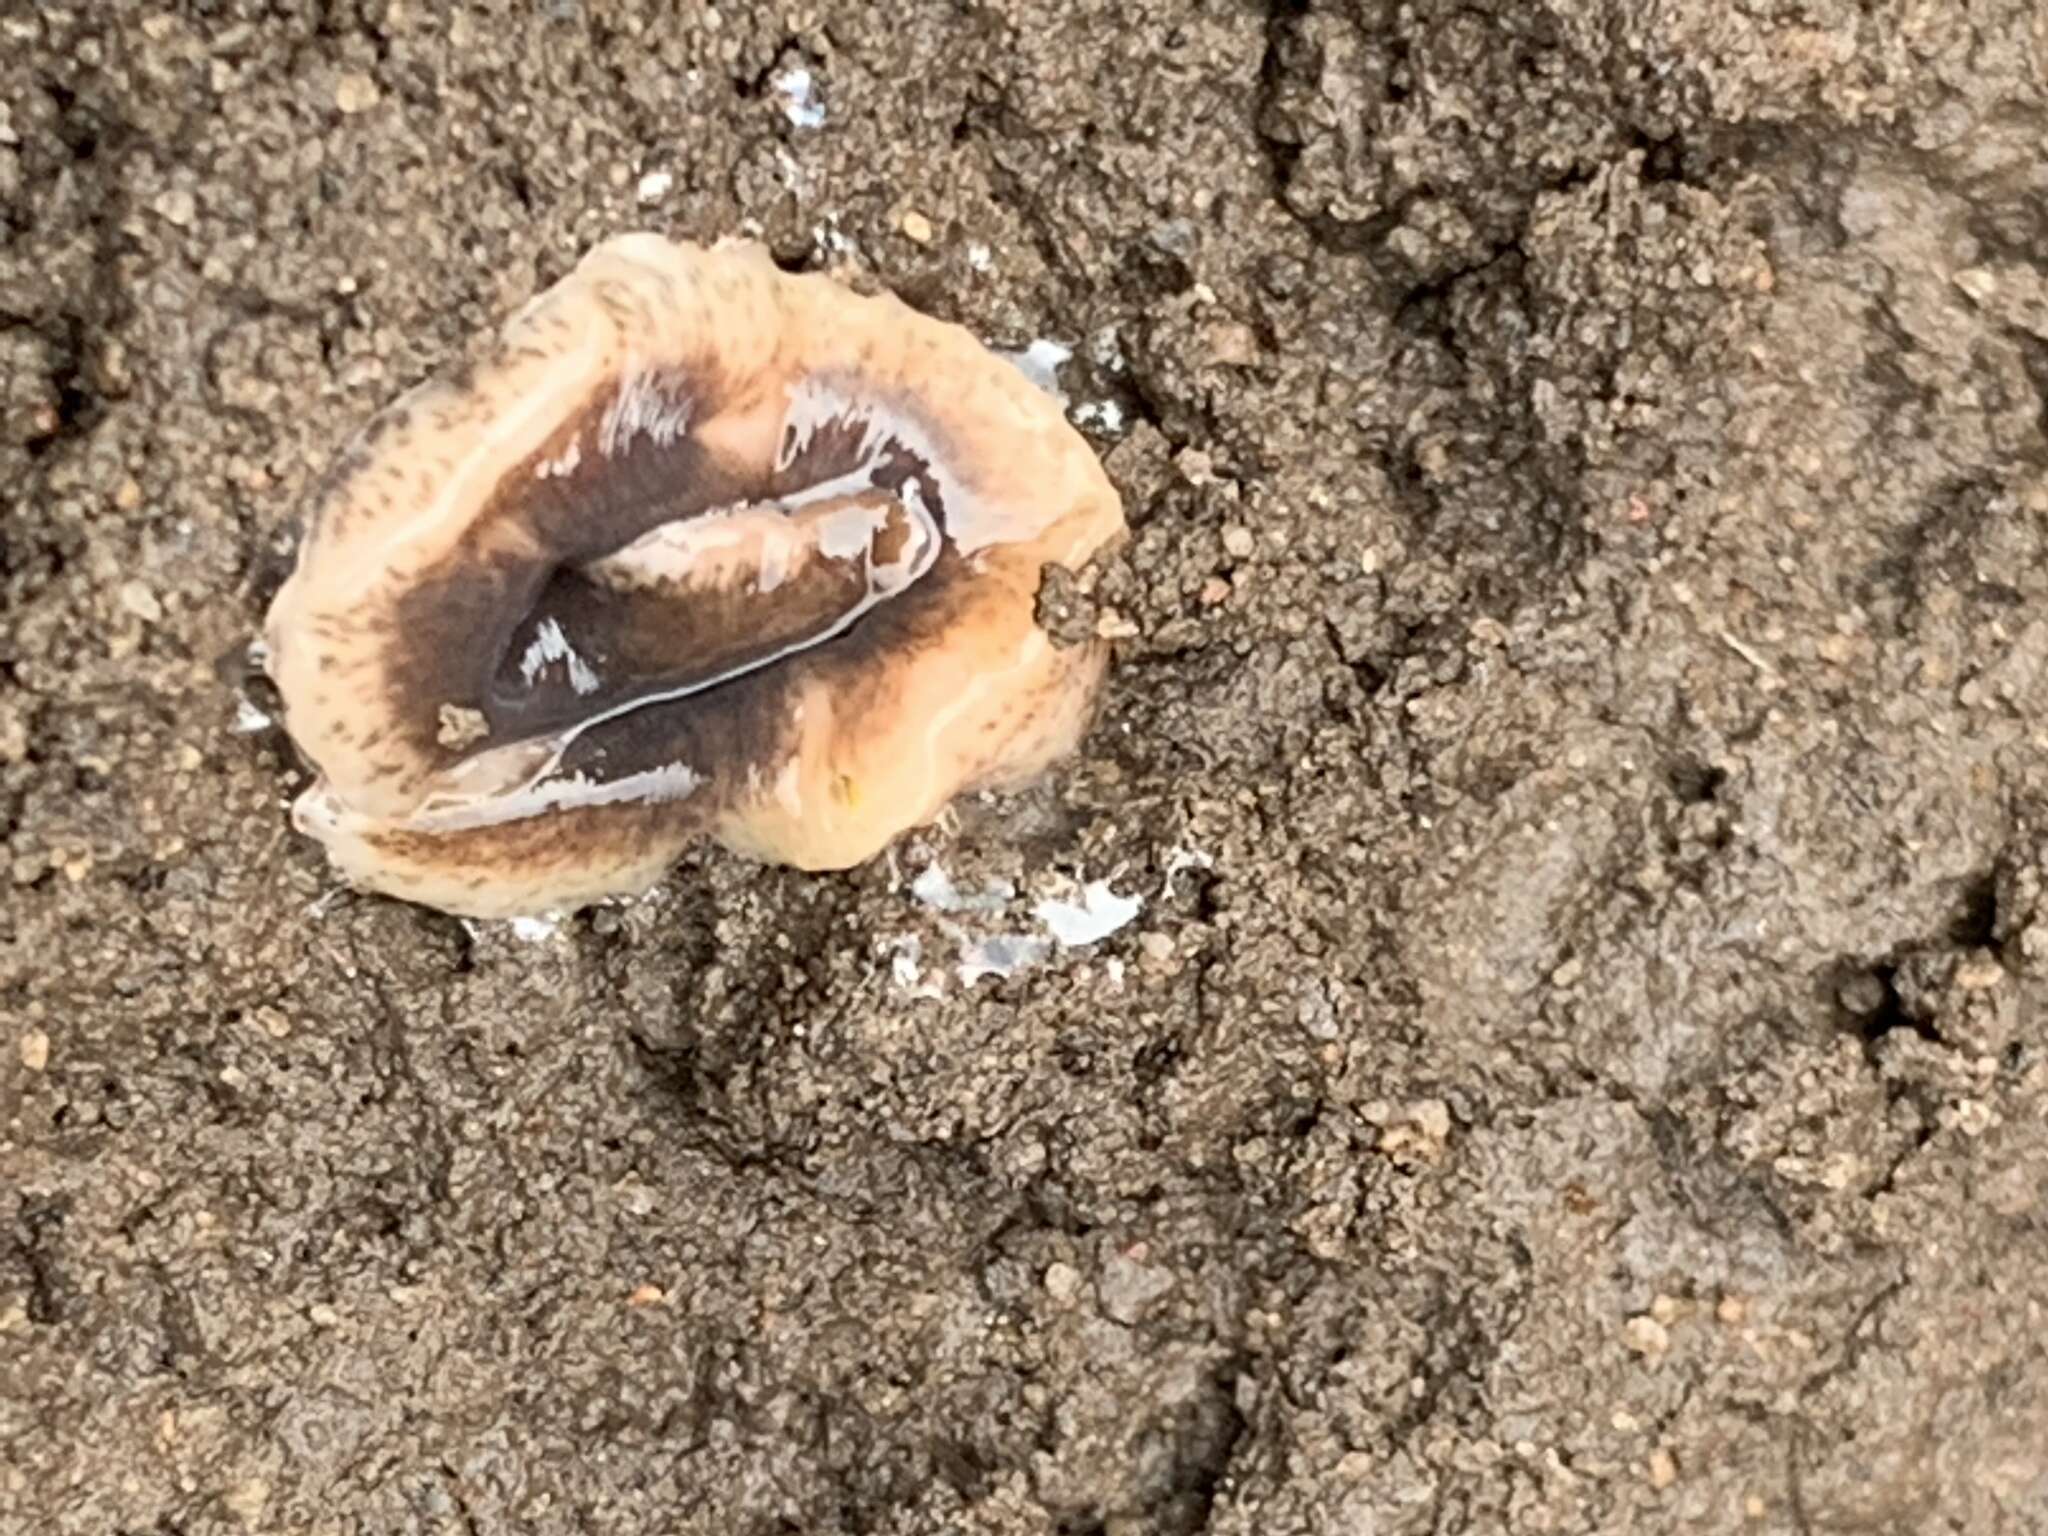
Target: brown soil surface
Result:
[1581, 1064]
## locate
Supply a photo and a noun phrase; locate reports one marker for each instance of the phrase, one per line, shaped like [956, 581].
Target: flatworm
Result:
[703, 549]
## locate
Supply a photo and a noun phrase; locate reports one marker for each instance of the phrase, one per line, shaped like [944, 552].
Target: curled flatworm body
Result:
[703, 548]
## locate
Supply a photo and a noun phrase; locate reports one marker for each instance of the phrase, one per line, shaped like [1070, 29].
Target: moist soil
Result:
[1579, 1063]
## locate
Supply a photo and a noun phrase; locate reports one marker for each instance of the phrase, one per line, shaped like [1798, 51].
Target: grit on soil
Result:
[1581, 1061]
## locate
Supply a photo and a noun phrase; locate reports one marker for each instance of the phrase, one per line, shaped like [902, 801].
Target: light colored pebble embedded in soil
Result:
[355, 92]
[1432, 1117]
[1416, 1132]
[128, 495]
[1979, 975]
[1663, 1469]
[1835, 649]
[1974, 1117]
[1666, 1309]
[646, 1296]
[323, 1316]
[1731, 1310]
[1646, 1336]
[140, 601]
[1861, 994]
[654, 186]
[176, 207]
[915, 226]
[1214, 591]
[1977, 282]
[247, 1499]
[1233, 343]
[1156, 947]
[35, 1050]
[1062, 1281]
[1238, 542]
[1129, 1287]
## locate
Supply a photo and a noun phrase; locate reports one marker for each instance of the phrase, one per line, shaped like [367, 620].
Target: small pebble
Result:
[1646, 1336]
[1238, 542]
[647, 1296]
[35, 1050]
[140, 601]
[1129, 1288]
[247, 1499]
[1861, 994]
[654, 186]
[1978, 283]
[916, 226]
[176, 207]
[355, 93]
[1979, 975]
[1432, 1117]
[1663, 1469]
[1233, 344]
[1062, 1281]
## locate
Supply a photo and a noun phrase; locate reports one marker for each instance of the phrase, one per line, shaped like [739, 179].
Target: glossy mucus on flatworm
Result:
[702, 549]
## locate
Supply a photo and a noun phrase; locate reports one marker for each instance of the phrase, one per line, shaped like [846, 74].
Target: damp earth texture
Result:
[1522, 1011]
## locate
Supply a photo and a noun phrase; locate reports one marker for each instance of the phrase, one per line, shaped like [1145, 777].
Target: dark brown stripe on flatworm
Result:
[727, 731]
[465, 628]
